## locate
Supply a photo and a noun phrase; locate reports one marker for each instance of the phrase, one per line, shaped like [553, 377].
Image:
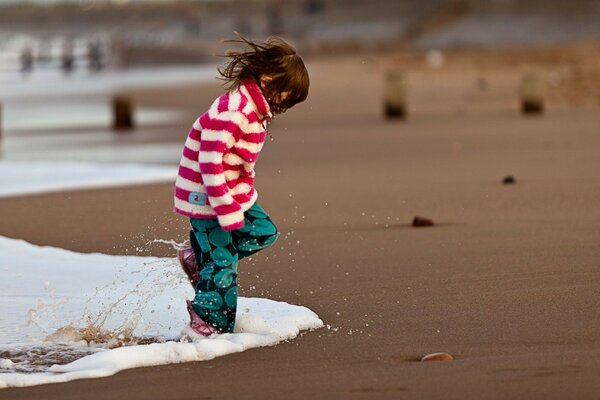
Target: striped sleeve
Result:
[219, 132]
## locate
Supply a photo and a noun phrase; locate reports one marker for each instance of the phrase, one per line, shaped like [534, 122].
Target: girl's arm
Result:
[217, 135]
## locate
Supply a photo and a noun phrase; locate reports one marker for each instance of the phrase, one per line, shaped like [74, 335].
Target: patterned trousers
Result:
[217, 253]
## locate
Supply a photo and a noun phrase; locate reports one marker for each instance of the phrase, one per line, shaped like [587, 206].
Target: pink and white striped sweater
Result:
[216, 172]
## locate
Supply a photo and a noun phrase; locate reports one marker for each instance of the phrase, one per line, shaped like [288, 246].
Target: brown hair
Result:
[274, 58]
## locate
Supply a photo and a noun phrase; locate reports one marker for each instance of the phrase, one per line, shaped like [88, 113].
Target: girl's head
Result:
[274, 65]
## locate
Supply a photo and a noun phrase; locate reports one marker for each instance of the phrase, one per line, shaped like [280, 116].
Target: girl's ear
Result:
[264, 81]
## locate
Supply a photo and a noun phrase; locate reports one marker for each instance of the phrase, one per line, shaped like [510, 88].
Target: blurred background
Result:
[135, 66]
[124, 33]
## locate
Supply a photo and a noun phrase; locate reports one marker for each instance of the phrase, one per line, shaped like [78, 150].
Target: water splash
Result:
[111, 317]
[175, 245]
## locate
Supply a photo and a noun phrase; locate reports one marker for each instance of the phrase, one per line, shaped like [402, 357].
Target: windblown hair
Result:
[274, 58]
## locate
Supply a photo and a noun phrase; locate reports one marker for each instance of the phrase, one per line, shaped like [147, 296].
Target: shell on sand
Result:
[437, 357]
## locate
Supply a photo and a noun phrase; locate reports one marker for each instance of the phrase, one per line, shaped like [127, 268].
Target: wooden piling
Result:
[1, 142]
[532, 93]
[123, 109]
[395, 104]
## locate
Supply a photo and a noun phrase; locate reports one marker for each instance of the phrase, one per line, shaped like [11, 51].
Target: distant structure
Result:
[123, 114]
[0, 129]
[26, 60]
[532, 93]
[395, 95]
[183, 31]
[95, 57]
[67, 60]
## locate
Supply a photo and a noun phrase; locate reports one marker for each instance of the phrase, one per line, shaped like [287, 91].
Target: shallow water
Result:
[69, 115]
[44, 83]
[79, 316]
[38, 358]
[31, 175]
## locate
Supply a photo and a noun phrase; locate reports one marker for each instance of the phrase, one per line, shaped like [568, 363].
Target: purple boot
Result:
[187, 259]
[197, 324]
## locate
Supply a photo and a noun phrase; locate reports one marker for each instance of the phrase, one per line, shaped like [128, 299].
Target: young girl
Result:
[215, 184]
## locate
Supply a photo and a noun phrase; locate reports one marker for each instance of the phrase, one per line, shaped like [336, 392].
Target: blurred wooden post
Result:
[532, 93]
[122, 113]
[395, 94]
[1, 142]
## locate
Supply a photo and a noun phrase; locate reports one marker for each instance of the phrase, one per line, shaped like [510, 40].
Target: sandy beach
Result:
[507, 281]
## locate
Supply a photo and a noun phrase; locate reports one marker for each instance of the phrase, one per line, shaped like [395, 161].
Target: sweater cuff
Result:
[232, 221]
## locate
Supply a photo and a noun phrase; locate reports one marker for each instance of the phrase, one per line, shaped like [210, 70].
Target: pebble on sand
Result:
[422, 221]
[437, 357]
[509, 180]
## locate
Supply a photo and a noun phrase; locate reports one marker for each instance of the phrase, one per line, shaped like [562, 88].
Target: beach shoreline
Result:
[506, 281]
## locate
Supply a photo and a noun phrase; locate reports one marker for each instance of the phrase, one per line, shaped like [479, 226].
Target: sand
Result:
[506, 282]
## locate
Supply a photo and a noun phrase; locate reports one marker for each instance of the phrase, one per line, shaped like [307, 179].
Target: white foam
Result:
[18, 178]
[52, 295]
[5, 363]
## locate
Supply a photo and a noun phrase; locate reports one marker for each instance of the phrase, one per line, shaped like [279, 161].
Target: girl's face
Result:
[276, 99]
[277, 102]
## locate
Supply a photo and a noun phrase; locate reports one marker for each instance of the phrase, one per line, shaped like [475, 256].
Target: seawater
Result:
[57, 329]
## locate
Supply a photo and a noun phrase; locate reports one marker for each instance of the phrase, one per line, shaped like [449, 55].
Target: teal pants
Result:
[217, 253]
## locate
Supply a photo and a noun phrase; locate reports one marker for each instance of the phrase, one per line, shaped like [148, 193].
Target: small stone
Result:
[422, 221]
[509, 180]
[437, 357]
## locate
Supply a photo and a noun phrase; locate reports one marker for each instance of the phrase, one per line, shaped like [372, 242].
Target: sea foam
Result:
[74, 316]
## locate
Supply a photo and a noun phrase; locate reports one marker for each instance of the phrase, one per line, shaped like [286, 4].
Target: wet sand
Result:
[507, 281]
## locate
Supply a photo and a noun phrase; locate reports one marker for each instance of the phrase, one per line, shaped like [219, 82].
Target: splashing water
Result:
[175, 245]
[71, 316]
[98, 303]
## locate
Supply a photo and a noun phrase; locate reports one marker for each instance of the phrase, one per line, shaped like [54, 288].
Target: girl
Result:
[215, 184]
